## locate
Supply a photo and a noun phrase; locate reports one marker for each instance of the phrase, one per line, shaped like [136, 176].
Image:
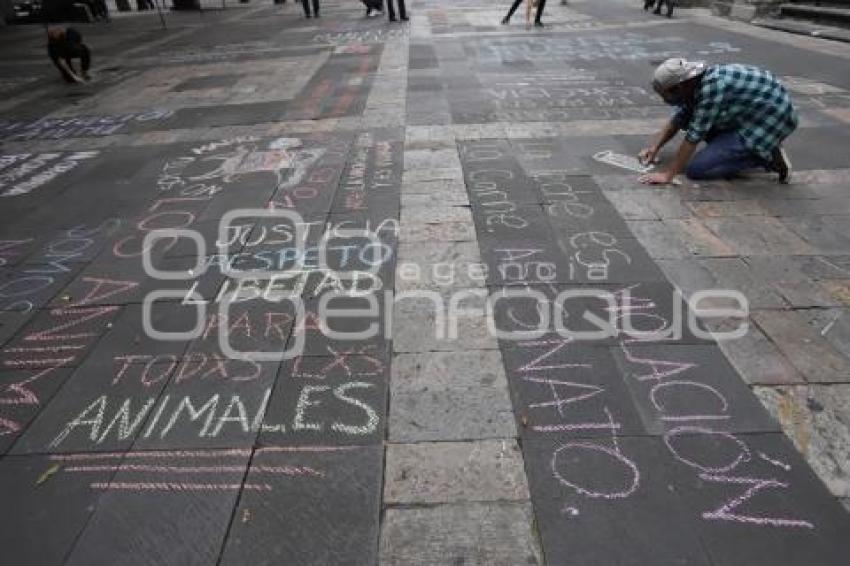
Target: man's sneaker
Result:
[505, 21]
[781, 164]
[538, 24]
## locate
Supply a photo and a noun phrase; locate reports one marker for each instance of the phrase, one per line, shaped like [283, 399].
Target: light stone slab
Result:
[443, 472]
[448, 370]
[817, 419]
[472, 534]
[463, 414]
[422, 323]
[805, 348]
[437, 232]
[440, 266]
[431, 214]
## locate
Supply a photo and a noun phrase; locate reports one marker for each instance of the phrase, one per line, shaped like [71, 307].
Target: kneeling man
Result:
[743, 114]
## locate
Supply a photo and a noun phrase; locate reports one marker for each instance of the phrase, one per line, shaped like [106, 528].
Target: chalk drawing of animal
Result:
[284, 158]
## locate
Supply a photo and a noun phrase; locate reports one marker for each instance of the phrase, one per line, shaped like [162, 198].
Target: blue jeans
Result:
[723, 157]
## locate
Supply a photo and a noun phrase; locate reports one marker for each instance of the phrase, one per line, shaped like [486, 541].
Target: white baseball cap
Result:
[676, 71]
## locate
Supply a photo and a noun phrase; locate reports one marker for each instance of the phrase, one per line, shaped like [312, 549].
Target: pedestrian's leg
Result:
[68, 78]
[511, 11]
[306, 5]
[70, 62]
[390, 10]
[85, 59]
[402, 10]
[670, 5]
[723, 157]
[540, 5]
[316, 8]
[647, 4]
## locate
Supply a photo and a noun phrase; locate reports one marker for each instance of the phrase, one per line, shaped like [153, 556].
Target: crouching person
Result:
[63, 45]
[743, 114]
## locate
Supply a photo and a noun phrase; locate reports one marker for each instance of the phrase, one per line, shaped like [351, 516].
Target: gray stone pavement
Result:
[466, 149]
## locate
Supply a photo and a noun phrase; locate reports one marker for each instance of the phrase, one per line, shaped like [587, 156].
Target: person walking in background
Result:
[373, 6]
[63, 45]
[537, 19]
[742, 113]
[529, 6]
[402, 10]
[306, 4]
[647, 4]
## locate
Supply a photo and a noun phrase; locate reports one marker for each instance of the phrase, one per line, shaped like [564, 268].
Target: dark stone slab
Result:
[101, 407]
[526, 262]
[207, 82]
[152, 513]
[758, 502]
[257, 195]
[14, 248]
[367, 330]
[210, 402]
[558, 154]
[22, 394]
[326, 500]
[236, 236]
[78, 244]
[124, 282]
[510, 222]
[682, 385]
[46, 174]
[11, 322]
[329, 400]
[605, 501]
[372, 179]
[57, 337]
[568, 390]
[494, 177]
[247, 327]
[228, 115]
[31, 285]
[574, 204]
[586, 316]
[52, 506]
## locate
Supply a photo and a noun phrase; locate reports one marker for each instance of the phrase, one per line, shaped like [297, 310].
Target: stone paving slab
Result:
[331, 401]
[456, 472]
[59, 505]
[328, 500]
[471, 150]
[143, 516]
[474, 533]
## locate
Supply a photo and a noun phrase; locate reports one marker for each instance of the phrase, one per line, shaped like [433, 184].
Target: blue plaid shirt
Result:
[748, 100]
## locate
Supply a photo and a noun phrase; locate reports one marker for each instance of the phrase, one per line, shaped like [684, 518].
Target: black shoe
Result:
[781, 164]
[505, 21]
[647, 4]
[538, 24]
[670, 11]
[308, 16]
[404, 18]
[368, 12]
[392, 19]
